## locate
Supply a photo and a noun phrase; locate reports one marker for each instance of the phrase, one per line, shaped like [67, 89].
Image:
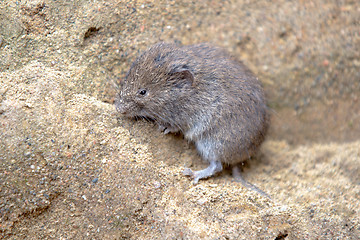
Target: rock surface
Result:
[71, 168]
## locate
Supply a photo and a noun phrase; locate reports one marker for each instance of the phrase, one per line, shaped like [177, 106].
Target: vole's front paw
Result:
[171, 130]
[162, 128]
[168, 129]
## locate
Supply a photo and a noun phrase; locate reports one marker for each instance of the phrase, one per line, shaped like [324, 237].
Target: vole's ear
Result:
[184, 74]
[181, 76]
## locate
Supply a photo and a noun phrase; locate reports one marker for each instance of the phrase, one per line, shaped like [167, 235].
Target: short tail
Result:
[238, 178]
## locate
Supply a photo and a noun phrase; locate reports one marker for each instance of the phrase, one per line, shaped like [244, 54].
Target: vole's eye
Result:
[142, 92]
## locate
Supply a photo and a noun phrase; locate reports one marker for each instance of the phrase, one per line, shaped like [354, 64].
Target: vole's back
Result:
[231, 118]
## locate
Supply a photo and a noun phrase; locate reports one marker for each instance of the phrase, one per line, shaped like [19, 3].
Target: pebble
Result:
[202, 201]
[95, 180]
[157, 184]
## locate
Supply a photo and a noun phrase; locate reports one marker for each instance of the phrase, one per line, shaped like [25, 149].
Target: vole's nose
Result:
[120, 106]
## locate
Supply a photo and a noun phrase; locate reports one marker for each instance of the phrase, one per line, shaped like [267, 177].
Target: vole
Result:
[199, 90]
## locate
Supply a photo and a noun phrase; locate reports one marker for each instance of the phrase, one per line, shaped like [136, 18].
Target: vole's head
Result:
[155, 80]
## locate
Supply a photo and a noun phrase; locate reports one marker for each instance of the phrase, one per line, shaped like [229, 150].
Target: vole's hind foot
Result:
[196, 175]
[213, 168]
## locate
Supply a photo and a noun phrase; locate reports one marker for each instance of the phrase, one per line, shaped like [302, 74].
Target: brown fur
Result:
[214, 100]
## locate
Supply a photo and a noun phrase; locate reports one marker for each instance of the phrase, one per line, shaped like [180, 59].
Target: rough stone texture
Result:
[71, 168]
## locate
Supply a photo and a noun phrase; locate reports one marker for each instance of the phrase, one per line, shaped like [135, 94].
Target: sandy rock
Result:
[71, 168]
